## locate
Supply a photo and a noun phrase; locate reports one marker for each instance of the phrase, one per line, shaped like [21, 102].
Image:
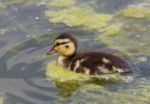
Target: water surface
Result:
[26, 35]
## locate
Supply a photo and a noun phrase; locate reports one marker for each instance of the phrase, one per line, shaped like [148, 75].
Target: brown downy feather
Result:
[96, 63]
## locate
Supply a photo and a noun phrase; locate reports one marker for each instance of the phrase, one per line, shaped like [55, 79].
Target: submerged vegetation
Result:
[61, 3]
[124, 43]
[79, 16]
[137, 12]
[112, 30]
[132, 96]
[87, 86]
[1, 100]
[97, 21]
[70, 81]
[74, 16]
[60, 74]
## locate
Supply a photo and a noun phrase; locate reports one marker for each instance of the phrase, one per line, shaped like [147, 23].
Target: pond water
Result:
[28, 27]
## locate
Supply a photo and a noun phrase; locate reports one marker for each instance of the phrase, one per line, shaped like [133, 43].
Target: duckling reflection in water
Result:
[92, 63]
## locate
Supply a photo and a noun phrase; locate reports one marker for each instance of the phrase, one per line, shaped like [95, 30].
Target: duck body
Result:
[94, 63]
[89, 62]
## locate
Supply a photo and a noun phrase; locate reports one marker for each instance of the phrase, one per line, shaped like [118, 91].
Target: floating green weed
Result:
[62, 3]
[60, 74]
[1, 100]
[139, 95]
[120, 39]
[137, 12]
[112, 30]
[70, 81]
[73, 16]
[79, 16]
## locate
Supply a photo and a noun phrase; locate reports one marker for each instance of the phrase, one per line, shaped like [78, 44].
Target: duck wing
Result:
[99, 63]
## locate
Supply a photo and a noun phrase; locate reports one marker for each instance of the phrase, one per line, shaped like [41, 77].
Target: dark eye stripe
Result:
[58, 44]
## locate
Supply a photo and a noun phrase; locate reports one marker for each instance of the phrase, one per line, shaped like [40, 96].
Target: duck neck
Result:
[65, 60]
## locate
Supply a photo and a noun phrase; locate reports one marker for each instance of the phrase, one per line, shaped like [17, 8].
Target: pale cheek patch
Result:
[70, 50]
[56, 48]
[105, 60]
[61, 49]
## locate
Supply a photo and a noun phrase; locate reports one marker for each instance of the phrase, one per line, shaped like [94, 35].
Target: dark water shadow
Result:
[112, 6]
[67, 88]
[30, 70]
[144, 69]
[14, 99]
[3, 43]
[27, 71]
[31, 83]
[39, 96]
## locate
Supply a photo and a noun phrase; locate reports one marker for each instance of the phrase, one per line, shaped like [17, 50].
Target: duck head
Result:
[65, 45]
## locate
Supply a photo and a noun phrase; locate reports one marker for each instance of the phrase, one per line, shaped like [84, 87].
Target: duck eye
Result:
[67, 46]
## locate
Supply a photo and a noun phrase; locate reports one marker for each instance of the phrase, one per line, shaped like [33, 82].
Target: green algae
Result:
[18, 2]
[125, 44]
[62, 3]
[1, 100]
[73, 16]
[70, 81]
[2, 7]
[130, 37]
[3, 31]
[68, 88]
[112, 30]
[60, 74]
[139, 95]
[97, 21]
[7, 3]
[137, 12]
[79, 16]
[15, 1]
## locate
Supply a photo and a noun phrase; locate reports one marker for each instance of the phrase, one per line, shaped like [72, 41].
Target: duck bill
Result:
[51, 52]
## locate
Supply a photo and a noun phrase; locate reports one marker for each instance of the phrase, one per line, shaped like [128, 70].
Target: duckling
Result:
[92, 63]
